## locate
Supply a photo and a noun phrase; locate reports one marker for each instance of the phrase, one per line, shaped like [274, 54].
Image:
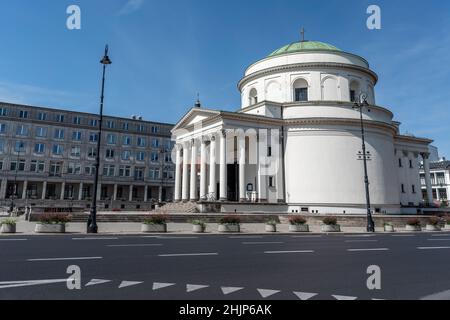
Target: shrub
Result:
[54, 218]
[8, 222]
[297, 220]
[414, 222]
[198, 223]
[434, 221]
[271, 222]
[444, 204]
[230, 220]
[157, 219]
[388, 224]
[447, 219]
[330, 221]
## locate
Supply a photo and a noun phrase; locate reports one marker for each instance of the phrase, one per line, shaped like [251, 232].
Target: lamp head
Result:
[106, 60]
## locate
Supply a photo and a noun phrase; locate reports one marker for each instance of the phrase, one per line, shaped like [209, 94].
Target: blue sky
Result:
[164, 52]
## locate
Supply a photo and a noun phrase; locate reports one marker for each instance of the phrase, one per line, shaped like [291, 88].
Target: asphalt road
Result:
[226, 267]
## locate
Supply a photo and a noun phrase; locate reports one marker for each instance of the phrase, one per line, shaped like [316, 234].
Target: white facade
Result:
[300, 149]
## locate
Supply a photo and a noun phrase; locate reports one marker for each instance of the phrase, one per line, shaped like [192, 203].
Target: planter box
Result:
[447, 227]
[389, 229]
[8, 228]
[225, 228]
[198, 228]
[413, 228]
[50, 228]
[271, 228]
[154, 228]
[298, 228]
[432, 228]
[331, 228]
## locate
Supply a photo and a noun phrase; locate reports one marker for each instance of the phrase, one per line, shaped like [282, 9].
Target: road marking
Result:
[403, 235]
[230, 290]
[433, 248]
[440, 235]
[187, 254]
[95, 282]
[306, 237]
[195, 287]
[441, 296]
[246, 237]
[176, 238]
[287, 252]
[265, 293]
[65, 259]
[126, 284]
[372, 249]
[344, 297]
[13, 239]
[360, 236]
[102, 238]
[353, 241]
[157, 285]
[439, 239]
[133, 245]
[305, 295]
[17, 284]
[250, 243]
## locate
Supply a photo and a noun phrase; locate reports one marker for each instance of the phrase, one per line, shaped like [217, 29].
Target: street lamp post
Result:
[15, 188]
[360, 105]
[92, 221]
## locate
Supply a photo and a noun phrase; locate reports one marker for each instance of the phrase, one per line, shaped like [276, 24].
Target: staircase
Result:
[180, 207]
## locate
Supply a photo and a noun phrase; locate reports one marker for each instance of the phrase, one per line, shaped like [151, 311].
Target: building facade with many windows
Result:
[47, 159]
[440, 180]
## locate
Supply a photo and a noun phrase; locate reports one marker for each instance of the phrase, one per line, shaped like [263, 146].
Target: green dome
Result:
[303, 46]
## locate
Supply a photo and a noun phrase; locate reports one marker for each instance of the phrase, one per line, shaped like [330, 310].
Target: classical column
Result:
[25, 189]
[115, 192]
[262, 171]
[80, 192]
[63, 189]
[242, 189]
[178, 174]
[146, 193]
[426, 166]
[203, 193]
[99, 192]
[44, 190]
[3, 188]
[130, 193]
[223, 166]
[212, 169]
[185, 182]
[193, 187]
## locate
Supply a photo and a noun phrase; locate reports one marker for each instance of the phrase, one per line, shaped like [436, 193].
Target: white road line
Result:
[230, 290]
[305, 295]
[439, 239]
[287, 252]
[403, 235]
[133, 245]
[89, 239]
[126, 284]
[306, 237]
[176, 238]
[441, 296]
[64, 259]
[17, 284]
[433, 248]
[95, 282]
[158, 285]
[353, 241]
[13, 239]
[246, 237]
[256, 243]
[265, 293]
[195, 287]
[370, 249]
[188, 254]
[360, 236]
[441, 235]
[337, 297]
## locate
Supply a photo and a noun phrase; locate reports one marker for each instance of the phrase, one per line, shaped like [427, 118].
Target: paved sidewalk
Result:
[27, 228]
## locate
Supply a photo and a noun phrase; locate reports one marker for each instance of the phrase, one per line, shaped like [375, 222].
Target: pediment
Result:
[195, 116]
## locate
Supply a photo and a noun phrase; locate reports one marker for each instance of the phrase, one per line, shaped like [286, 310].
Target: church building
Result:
[295, 145]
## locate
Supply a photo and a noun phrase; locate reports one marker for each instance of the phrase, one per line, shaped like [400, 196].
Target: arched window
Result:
[253, 97]
[354, 91]
[300, 90]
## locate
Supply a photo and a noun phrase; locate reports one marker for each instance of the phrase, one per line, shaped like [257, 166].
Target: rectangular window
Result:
[93, 123]
[440, 176]
[23, 114]
[111, 139]
[75, 152]
[139, 174]
[110, 124]
[155, 129]
[39, 148]
[126, 155]
[154, 157]
[414, 189]
[59, 134]
[140, 156]
[93, 137]
[19, 146]
[141, 142]
[76, 136]
[271, 182]
[124, 171]
[109, 170]
[269, 151]
[403, 188]
[59, 118]
[353, 96]
[400, 163]
[2, 146]
[411, 164]
[74, 168]
[92, 152]
[154, 174]
[77, 120]
[37, 166]
[57, 150]
[41, 132]
[2, 128]
[22, 130]
[140, 128]
[89, 170]
[155, 143]
[125, 126]
[301, 94]
[3, 112]
[110, 154]
[55, 169]
[17, 166]
[126, 141]
[422, 179]
[42, 116]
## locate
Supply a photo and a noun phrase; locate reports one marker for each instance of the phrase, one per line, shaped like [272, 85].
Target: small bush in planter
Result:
[447, 220]
[8, 226]
[271, 222]
[198, 226]
[54, 218]
[330, 221]
[297, 221]
[414, 222]
[156, 219]
[434, 221]
[231, 220]
[8, 222]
